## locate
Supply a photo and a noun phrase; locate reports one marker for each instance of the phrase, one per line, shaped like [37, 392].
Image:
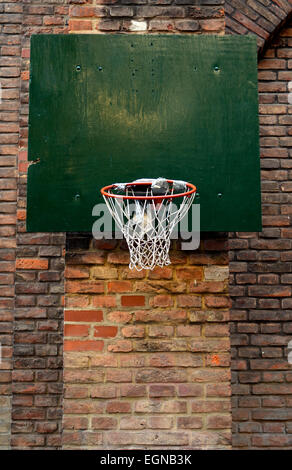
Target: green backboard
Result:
[114, 108]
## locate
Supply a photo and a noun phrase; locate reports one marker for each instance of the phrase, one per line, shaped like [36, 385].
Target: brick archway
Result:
[264, 18]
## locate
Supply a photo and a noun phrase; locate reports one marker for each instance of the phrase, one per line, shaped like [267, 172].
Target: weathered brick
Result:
[83, 315]
[32, 263]
[83, 345]
[104, 423]
[133, 300]
[133, 331]
[105, 331]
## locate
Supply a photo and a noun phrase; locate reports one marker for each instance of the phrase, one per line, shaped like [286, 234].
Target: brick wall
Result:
[182, 16]
[261, 263]
[10, 39]
[261, 274]
[147, 362]
[38, 317]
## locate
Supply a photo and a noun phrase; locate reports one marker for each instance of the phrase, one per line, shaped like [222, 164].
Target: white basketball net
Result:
[148, 224]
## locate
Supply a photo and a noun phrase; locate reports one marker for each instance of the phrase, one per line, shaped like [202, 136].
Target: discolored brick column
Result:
[10, 49]
[147, 361]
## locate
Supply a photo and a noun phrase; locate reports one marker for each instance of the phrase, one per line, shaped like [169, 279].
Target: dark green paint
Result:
[113, 108]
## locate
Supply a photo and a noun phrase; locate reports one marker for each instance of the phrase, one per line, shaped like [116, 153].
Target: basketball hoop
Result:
[146, 214]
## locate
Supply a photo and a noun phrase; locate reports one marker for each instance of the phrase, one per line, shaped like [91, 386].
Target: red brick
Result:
[118, 407]
[212, 26]
[218, 422]
[83, 376]
[83, 315]
[104, 301]
[119, 258]
[190, 273]
[27, 441]
[160, 316]
[108, 25]
[120, 346]
[74, 422]
[103, 391]
[85, 258]
[83, 345]
[104, 423]
[217, 301]
[133, 422]
[133, 300]
[160, 422]
[189, 422]
[188, 330]
[104, 272]
[28, 414]
[160, 331]
[73, 438]
[269, 291]
[212, 287]
[161, 273]
[161, 391]
[189, 301]
[133, 390]
[84, 287]
[80, 25]
[76, 330]
[105, 331]
[161, 301]
[53, 20]
[119, 317]
[190, 390]
[75, 392]
[82, 11]
[120, 286]
[32, 263]
[218, 390]
[217, 330]
[133, 331]
[75, 272]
